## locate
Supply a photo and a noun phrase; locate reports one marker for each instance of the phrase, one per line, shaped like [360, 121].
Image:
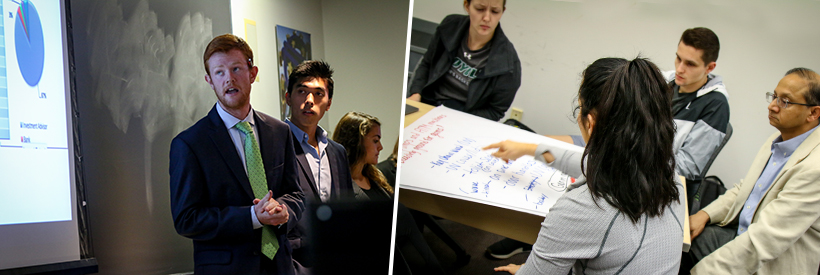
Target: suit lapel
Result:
[335, 183]
[221, 138]
[760, 162]
[749, 181]
[799, 154]
[305, 167]
[267, 140]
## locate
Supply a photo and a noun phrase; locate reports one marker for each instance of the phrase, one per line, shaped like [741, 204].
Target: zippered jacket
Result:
[492, 91]
[701, 126]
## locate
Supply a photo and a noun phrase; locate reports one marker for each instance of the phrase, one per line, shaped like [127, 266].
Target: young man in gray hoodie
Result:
[700, 103]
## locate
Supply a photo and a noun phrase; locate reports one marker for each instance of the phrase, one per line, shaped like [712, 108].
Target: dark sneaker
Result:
[506, 248]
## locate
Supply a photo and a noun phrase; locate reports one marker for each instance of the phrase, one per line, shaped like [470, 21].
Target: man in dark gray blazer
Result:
[233, 175]
[323, 168]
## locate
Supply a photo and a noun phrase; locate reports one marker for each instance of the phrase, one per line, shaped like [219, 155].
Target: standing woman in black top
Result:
[361, 135]
[470, 65]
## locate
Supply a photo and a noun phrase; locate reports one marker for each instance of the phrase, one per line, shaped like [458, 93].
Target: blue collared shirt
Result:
[319, 164]
[781, 152]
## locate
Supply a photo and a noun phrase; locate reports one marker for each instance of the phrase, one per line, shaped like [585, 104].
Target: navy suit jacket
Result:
[341, 185]
[211, 195]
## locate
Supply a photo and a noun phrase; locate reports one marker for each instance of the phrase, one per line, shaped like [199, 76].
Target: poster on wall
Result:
[292, 48]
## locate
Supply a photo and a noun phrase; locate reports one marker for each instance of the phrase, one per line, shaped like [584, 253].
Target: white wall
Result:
[556, 40]
[303, 15]
[364, 41]
[366, 44]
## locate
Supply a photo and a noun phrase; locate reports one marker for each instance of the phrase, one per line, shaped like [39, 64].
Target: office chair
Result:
[698, 199]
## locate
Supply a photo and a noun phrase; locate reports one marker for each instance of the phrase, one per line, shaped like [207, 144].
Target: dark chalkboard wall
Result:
[139, 81]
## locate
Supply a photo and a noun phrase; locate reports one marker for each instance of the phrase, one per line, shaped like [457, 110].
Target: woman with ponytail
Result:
[624, 213]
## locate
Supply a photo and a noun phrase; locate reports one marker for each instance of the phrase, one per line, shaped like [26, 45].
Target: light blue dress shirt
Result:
[781, 152]
[319, 164]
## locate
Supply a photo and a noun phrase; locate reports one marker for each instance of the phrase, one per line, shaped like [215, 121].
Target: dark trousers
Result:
[712, 238]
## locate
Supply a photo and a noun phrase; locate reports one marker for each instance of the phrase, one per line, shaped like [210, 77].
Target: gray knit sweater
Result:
[598, 239]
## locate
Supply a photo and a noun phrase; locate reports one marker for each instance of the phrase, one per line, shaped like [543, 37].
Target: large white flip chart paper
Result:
[441, 154]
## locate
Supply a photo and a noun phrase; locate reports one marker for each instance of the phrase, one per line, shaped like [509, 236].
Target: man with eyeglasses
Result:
[770, 222]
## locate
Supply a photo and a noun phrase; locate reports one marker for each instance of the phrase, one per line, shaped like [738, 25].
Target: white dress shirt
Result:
[238, 139]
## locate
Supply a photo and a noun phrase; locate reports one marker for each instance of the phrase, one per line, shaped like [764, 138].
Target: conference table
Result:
[505, 222]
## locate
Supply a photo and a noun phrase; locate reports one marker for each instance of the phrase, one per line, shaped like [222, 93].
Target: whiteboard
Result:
[441, 154]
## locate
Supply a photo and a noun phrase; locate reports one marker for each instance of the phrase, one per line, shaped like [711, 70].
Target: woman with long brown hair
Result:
[360, 134]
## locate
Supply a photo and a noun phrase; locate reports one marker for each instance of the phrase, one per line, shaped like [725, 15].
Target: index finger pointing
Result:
[492, 146]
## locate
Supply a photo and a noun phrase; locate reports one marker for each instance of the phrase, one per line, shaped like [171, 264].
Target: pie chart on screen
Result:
[28, 43]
